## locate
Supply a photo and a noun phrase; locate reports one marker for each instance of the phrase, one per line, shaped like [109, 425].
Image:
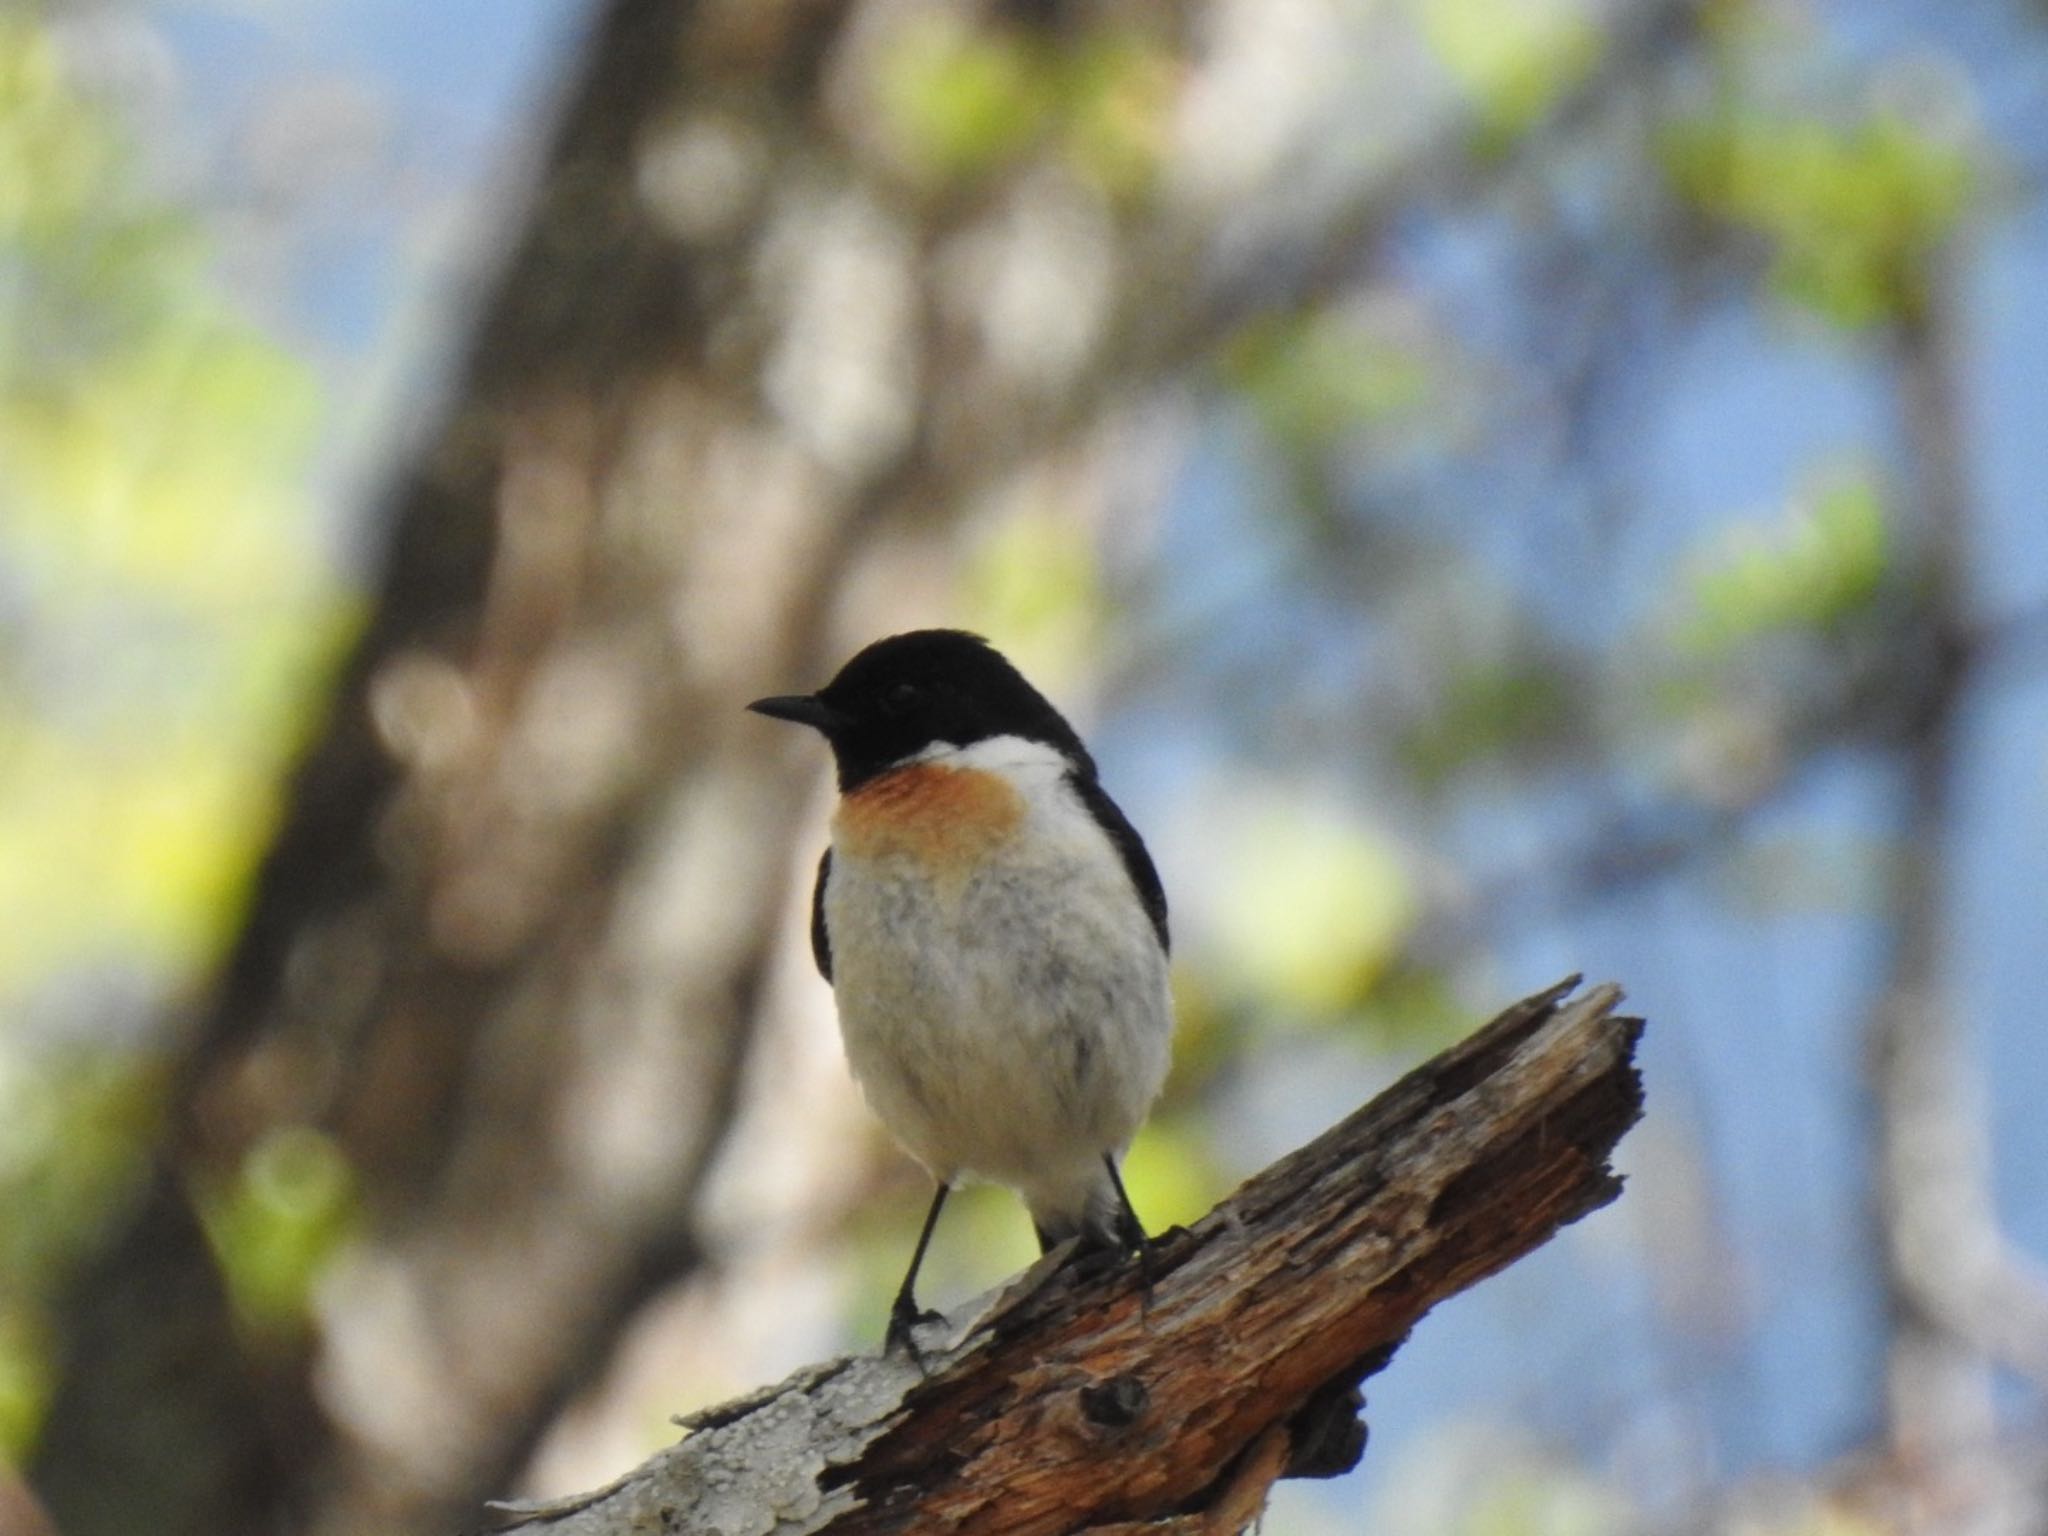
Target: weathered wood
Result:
[1082, 1402]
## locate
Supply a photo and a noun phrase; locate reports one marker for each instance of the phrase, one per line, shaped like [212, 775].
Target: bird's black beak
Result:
[803, 708]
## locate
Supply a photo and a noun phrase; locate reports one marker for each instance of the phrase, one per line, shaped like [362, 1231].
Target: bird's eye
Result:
[898, 698]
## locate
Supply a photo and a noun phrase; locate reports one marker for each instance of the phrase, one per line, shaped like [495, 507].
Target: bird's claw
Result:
[904, 1316]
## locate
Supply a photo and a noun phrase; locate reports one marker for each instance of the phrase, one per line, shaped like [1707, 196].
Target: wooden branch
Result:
[1071, 1402]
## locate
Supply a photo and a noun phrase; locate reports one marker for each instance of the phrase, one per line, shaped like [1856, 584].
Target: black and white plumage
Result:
[994, 931]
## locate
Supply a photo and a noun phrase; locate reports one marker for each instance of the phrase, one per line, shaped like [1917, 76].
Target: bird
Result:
[995, 935]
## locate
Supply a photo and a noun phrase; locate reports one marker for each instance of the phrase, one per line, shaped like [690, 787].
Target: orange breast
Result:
[948, 819]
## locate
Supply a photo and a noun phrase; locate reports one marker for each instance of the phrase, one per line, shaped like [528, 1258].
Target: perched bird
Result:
[994, 933]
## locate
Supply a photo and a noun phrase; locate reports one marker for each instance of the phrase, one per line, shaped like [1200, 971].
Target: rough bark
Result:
[1100, 1402]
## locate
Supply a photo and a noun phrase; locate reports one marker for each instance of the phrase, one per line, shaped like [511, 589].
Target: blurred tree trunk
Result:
[1960, 1299]
[1932, 1176]
[507, 946]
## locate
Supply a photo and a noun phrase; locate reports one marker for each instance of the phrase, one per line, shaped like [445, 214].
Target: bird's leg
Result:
[904, 1313]
[1132, 1232]
[1098, 1250]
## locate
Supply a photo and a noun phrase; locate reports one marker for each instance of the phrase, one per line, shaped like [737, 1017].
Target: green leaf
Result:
[1511, 58]
[1316, 378]
[1853, 214]
[1035, 580]
[274, 1226]
[1315, 910]
[960, 102]
[1825, 559]
[1117, 97]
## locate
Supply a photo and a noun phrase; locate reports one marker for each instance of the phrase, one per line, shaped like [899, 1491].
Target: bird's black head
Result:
[904, 693]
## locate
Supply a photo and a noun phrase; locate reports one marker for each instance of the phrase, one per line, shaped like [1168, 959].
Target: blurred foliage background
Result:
[1509, 487]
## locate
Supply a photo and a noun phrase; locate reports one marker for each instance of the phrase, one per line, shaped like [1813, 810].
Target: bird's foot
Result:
[904, 1316]
[1094, 1256]
[1148, 1271]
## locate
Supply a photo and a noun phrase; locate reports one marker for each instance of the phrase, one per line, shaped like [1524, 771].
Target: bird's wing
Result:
[1130, 847]
[821, 941]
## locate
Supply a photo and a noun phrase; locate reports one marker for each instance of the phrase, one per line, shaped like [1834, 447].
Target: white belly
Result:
[1012, 1023]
